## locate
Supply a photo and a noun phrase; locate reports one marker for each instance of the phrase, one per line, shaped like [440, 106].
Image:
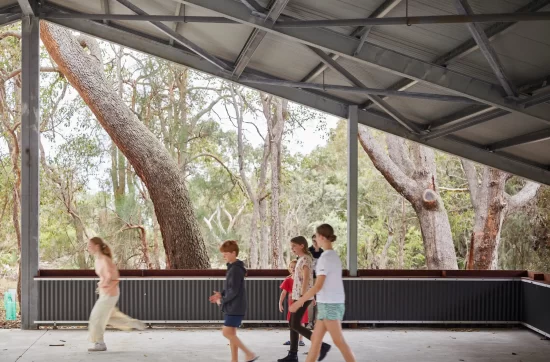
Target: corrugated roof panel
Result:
[501, 128]
[283, 58]
[537, 151]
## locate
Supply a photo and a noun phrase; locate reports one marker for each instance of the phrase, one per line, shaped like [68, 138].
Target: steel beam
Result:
[28, 7]
[478, 116]
[129, 17]
[105, 9]
[379, 57]
[257, 36]
[356, 90]
[532, 137]
[177, 37]
[380, 12]
[322, 102]
[353, 179]
[469, 45]
[395, 114]
[416, 20]
[179, 12]
[486, 49]
[6, 19]
[253, 5]
[30, 161]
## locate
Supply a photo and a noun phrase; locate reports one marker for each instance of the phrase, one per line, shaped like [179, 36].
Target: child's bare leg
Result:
[335, 330]
[231, 334]
[316, 341]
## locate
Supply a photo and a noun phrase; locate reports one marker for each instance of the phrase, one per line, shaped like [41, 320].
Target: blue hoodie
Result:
[234, 293]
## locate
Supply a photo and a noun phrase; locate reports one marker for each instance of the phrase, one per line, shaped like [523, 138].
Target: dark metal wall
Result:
[368, 300]
[161, 300]
[439, 300]
[536, 305]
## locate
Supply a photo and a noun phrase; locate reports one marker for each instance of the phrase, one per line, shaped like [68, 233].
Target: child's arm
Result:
[233, 287]
[281, 300]
[311, 293]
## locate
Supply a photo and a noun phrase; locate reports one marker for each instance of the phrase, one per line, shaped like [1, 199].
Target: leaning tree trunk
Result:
[491, 205]
[180, 230]
[416, 181]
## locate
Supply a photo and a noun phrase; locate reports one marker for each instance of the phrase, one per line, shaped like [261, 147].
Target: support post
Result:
[30, 138]
[353, 130]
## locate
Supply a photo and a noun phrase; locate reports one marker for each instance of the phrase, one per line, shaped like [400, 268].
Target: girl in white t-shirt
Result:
[331, 299]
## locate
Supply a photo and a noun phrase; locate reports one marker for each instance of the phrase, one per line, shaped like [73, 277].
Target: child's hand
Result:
[281, 309]
[215, 298]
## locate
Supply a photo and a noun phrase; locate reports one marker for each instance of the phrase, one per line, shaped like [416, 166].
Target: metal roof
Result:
[496, 72]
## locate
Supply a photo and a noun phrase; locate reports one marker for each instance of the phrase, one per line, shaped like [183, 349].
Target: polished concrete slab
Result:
[381, 344]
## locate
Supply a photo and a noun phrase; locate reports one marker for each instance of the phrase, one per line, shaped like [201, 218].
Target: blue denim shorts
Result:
[233, 320]
[331, 311]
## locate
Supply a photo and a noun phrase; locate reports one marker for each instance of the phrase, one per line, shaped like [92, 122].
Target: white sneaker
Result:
[98, 347]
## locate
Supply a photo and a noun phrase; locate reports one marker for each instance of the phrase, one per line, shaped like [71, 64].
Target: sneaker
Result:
[325, 347]
[98, 347]
[291, 357]
[302, 344]
[287, 343]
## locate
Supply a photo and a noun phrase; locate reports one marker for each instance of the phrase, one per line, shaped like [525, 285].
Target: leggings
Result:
[296, 327]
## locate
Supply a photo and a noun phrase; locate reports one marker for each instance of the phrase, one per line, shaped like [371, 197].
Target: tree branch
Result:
[15, 34]
[16, 72]
[393, 174]
[522, 198]
[471, 176]
[397, 149]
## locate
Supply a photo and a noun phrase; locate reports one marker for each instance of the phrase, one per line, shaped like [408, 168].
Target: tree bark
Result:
[182, 238]
[491, 206]
[275, 110]
[412, 182]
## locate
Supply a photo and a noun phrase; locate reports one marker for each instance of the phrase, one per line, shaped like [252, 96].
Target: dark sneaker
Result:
[324, 350]
[291, 357]
[302, 344]
[287, 343]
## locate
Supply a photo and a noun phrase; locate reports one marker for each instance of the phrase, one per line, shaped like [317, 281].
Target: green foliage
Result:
[190, 115]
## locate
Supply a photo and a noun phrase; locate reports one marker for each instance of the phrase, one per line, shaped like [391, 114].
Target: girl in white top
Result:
[331, 299]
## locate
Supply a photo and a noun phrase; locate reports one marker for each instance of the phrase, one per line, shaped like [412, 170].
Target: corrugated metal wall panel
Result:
[388, 300]
[536, 304]
[432, 300]
[157, 300]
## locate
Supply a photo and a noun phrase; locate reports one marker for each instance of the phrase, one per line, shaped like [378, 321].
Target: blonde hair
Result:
[104, 248]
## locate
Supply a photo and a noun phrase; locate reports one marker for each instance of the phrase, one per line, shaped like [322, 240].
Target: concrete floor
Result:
[383, 345]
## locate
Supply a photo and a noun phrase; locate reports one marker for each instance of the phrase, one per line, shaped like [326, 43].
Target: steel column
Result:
[353, 175]
[30, 139]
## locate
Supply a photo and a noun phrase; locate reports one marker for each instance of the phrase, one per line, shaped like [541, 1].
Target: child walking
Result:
[331, 298]
[232, 300]
[303, 281]
[286, 287]
[105, 311]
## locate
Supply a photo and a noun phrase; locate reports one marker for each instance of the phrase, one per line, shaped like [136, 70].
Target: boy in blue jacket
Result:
[232, 300]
